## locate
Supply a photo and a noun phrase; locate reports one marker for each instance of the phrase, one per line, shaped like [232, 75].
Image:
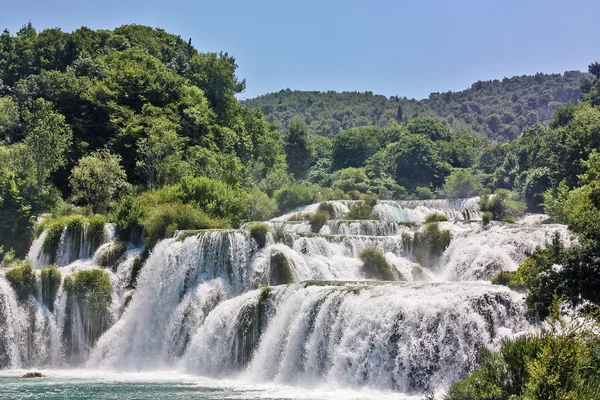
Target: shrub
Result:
[50, 277]
[165, 219]
[22, 280]
[129, 215]
[281, 270]
[317, 221]
[512, 279]
[75, 226]
[111, 256]
[215, 198]
[375, 266]
[429, 245]
[424, 193]
[293, 196]
[260, 206]
[435, 218]
[461, 183]
[502, 204]
[549, 365]
[486, 218]
[326, 208]
[259, 232]
[360, 211]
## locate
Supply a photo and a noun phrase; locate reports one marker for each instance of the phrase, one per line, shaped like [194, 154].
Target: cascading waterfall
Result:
[300, 310]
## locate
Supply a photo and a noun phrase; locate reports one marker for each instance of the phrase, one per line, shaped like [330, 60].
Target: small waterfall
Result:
[403, 337]
[12, 327]
[418, 210]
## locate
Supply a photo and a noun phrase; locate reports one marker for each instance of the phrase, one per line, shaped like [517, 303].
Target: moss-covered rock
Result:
[75, 227]
[112, 255]
[281, 269]
[375, 266]
[317, 221]
[435, 218]
[50, 278]
[259, 232]
[360, 211]
[429, 244]
[22, 280]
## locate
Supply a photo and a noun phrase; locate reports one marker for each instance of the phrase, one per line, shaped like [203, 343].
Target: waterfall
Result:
[301, 310]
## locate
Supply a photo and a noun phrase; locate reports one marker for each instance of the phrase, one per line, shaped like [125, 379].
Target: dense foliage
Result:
[494, 109]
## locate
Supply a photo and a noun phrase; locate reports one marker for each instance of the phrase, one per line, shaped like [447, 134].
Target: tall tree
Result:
[48, 137]
[298, 149]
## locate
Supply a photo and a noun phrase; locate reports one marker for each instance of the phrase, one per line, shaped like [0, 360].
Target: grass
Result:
[51, 279]
[22, 279]
[259, 232]
[111, 256]
[281, 269]
[375, 266]
[435, 218]
[430, 244]
[317, 221]
[360, 211]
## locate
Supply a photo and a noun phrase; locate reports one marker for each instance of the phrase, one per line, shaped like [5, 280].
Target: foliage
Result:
[48, 137]
[97, 179]
[486, 218]
[430, 243]
[75, 226]
[435, 218]
[360, 210]
[512, 279]
[22, 279]
[318, 220]
[461, 183]
[281, 269]
[375, 266]
[298, 149]
[499, 109]
[51, 279]
[293, 196]
[549, 365]
[260, 206]
[259, 232]
[111, 255]
[502, 204]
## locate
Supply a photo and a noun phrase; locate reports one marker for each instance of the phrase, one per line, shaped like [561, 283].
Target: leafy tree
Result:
[48, 137]
[461, 183]
[353, 147]
[298, 149]
[98, 179]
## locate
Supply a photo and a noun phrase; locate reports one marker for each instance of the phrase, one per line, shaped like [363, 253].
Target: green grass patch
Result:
[259, 232]
[22, 280]
[375, 266]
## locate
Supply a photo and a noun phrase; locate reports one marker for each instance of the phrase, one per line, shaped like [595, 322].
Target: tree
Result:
[354, 146]
[461, 183]
[297, 148]
[48, 137]
[97, 179]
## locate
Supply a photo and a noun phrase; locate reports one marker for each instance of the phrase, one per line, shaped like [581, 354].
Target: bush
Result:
[327, 208]
[486, 218]
[424, 193]
[317, 221]
[259, 232]
[215, 198]
[74, 226]
[502, 204]
[293, 196]
[260, 206]
[435, 218]
[549, 365]
[129, 215]
[22, 280]
[360, 211]
[111, 256]
[51, 278]
[281, 270]
[375, 266]
[461, 183]
[512, 279]
[165, 219]
[429, 245]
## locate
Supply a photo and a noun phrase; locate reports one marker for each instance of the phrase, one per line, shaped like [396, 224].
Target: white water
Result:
[198, 306]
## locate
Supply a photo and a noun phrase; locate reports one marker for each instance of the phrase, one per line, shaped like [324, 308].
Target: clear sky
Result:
[409, 48]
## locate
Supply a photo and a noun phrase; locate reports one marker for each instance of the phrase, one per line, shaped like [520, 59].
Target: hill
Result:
[499, 110]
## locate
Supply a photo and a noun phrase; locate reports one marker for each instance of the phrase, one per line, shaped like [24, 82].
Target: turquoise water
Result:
[83, 384]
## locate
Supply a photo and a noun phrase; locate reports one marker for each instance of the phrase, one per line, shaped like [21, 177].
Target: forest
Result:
[136, 126]
[496, 109]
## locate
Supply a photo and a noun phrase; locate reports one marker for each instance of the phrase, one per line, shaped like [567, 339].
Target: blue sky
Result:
[409, 48]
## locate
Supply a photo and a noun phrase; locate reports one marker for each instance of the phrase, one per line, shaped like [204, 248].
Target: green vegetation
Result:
[435, 218]
[259, 232]
[317, 221]
[74, 226]
[429, 244]
[360, 211]
[553, 364]
[111, 256]
[51, 278]
[22, 279]
[375, 266]
[281, 269]
[486, 218]
[496, 109]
